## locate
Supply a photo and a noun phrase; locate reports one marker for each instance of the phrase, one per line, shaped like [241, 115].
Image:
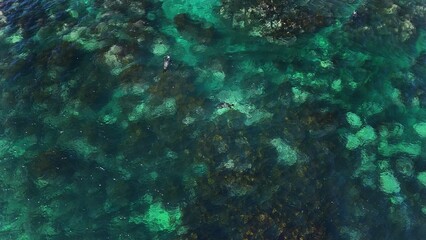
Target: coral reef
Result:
[274, 119]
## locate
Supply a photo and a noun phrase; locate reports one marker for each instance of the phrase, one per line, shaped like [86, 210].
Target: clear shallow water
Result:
[324, 140]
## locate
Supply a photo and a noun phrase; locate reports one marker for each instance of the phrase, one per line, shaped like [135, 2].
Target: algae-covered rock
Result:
[336, 85]
[138, 112]
[299, 96]
[257, 116]
[420, 129]
[167, 108]
[352, 142]
[366, 135]
[286, 154]
[412, 149]
[353, 120]
[160, 48]
[367, 169]
[157, 218]
[388, 183]
[277, 21]
[422, 178]
[405, 166]
[144, 110]
[363, 137]
[197, 9]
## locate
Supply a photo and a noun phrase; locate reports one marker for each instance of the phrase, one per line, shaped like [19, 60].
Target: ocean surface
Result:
[302, 119]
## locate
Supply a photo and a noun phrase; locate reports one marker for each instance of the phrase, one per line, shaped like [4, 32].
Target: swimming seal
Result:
[166, 62]
[224, 105]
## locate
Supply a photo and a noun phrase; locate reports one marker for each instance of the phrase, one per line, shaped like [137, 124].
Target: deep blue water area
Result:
[219, 119]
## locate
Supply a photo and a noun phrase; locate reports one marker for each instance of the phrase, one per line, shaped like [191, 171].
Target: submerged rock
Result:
[286, 154]
[388, 183]
[278, 22]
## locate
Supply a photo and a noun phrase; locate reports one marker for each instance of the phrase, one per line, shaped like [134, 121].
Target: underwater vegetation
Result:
[274, 120]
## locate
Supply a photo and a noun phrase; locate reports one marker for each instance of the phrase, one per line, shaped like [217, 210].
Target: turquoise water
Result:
[291, 120]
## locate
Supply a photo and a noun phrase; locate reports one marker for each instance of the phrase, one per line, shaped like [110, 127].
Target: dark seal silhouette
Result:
[166, 62]
[224, 105]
